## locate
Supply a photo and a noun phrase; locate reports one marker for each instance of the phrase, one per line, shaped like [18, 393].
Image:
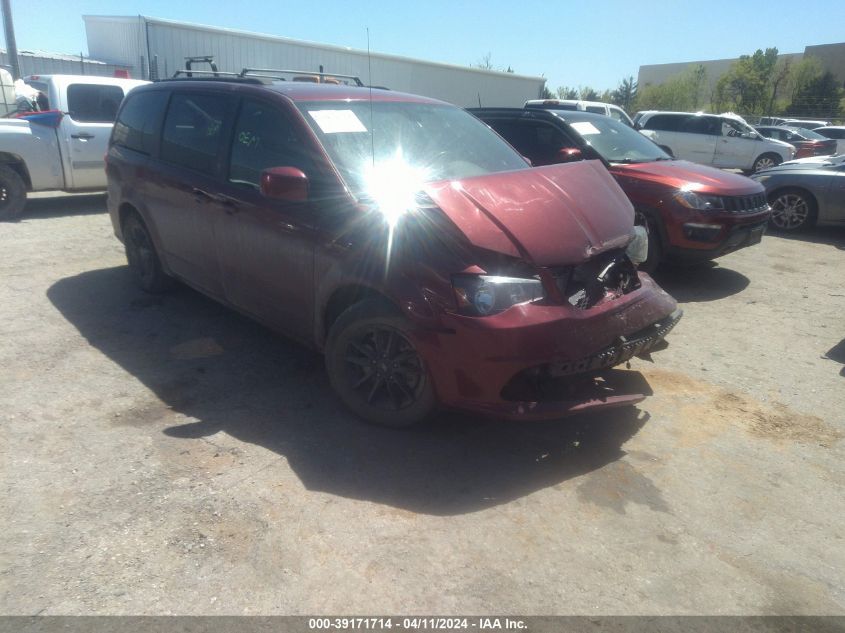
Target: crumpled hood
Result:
[677, 174]
[555, 215]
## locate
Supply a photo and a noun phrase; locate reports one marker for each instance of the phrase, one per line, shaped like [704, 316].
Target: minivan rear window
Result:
[138, 122]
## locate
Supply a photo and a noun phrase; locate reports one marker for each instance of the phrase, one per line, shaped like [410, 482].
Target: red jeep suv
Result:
[395, 233]
[693, 213]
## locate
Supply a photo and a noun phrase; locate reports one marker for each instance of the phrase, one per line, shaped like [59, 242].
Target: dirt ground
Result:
[166, 455]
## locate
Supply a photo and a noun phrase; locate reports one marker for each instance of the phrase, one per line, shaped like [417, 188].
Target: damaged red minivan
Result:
[399, 235]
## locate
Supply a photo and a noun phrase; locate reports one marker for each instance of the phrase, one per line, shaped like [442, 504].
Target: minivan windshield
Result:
[418, 142]
[614, 141]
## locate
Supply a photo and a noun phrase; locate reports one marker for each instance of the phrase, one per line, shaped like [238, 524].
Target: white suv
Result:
[720, 140]
[596, 107]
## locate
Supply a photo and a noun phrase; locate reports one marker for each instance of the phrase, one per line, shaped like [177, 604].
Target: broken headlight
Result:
[483, 295]
[637, 249]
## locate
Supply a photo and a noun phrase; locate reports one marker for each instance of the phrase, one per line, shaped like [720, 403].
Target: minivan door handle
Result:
[200, 194]
[230, 206]
[82, 135]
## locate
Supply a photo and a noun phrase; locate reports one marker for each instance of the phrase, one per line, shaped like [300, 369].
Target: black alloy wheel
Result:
[375, 368]
[142, 257]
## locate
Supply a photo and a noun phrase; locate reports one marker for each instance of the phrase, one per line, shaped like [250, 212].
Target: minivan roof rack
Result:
[256, 74]
[298, 75]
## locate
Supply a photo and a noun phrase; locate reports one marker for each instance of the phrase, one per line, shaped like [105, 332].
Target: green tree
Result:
[820, 97]
[625, 94]
[747, 86]
[804, 73]
[585, 93]
[565, 92]
[683, 92]
[780, 78]
[545, 93]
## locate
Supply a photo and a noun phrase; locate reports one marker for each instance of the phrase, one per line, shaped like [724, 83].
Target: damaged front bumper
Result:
[546, 362]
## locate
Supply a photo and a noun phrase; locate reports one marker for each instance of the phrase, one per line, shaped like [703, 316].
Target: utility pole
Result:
[11, 44]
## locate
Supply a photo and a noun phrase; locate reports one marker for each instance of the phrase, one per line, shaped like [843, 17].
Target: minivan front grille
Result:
[746, 204]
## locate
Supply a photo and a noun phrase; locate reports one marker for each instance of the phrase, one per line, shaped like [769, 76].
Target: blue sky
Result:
[573, 43]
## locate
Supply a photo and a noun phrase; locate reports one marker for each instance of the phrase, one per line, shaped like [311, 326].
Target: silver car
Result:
[806, 192]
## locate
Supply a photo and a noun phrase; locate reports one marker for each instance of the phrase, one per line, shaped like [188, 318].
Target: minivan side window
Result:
[192, 131]
[138, 122]
[665, 122]
[264, 137]
[701, 125]
[596, 109]
[92, 103]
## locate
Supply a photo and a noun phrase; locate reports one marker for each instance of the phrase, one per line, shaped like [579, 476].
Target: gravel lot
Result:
[166, 455]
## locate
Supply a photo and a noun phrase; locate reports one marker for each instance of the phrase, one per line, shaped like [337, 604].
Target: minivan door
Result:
[737, 146]
[182, 185]
[267, 246]
[696, 139]
[91, 110]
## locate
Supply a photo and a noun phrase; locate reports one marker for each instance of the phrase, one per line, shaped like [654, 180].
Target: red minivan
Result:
[693, 213]
[397, 234]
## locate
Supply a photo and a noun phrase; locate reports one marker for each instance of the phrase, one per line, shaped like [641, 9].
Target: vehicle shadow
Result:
[830, 235]
[706, 282]
[837, 354]
[232, 375]
[60, 206]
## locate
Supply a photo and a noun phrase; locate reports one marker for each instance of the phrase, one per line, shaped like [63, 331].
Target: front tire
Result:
[12, 194]
[375, 368]
[143, 259]
[655, 249]
[766, 161]
[792, 210]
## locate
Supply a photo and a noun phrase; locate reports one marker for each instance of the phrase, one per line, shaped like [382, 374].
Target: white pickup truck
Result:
[61, 149]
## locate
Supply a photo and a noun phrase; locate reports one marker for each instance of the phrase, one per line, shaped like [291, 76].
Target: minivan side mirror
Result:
[289, 184]
[569, 155]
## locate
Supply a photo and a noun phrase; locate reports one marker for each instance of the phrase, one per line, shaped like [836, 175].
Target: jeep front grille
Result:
[746, 204]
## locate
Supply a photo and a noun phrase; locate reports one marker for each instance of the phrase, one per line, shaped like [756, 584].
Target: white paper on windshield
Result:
[585, 128]
[337, 121]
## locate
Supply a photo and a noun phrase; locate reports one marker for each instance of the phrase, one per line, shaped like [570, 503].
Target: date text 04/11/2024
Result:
[416, 623]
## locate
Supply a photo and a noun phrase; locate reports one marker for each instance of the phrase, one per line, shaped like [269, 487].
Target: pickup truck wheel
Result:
[12, 194]
[142, 256]
[375, 368]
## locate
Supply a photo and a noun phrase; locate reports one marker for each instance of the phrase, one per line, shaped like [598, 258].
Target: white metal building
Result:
[42, 63]
[156, 47]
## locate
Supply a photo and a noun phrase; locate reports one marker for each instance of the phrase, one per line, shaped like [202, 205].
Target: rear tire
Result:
[766, 161]
[143, 259]
[375, 369]
[792, 210]
[12, 194]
